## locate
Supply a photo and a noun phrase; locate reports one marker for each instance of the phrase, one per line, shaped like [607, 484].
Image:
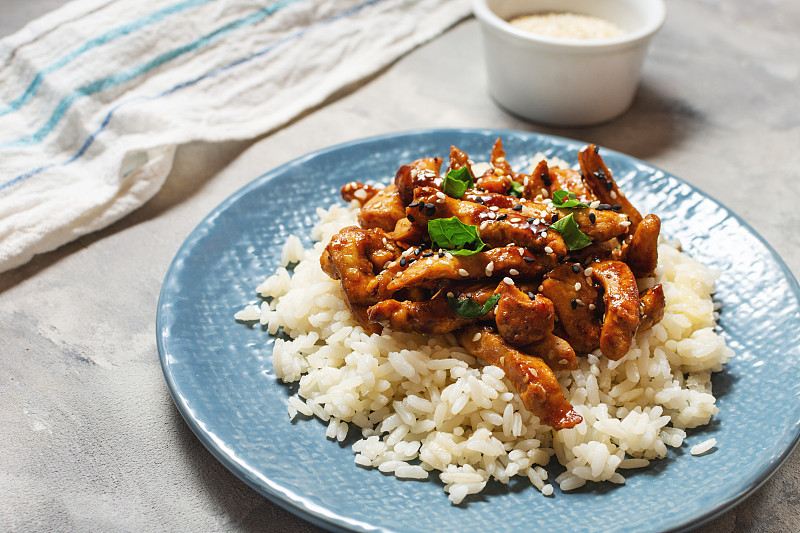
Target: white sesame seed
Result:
[440, 194]
[594, 204]
[448, 255]
[613, 195]
[514, 220]
[548, 250]
[541, 288]
[625, 223]
[476, 337]
[544, 236]
[526, 181]
[490, 266]
[498, 172]
[462, 272]
[414, 172]
[490, 215]
[588, 271]
[513, 272]
[386, 265]
[494, 208]
[592, 306]
[544, 193]
[563, 362]
[483, 225]
[578, 286]
[508, 280]
[450, 295]
[501, 159]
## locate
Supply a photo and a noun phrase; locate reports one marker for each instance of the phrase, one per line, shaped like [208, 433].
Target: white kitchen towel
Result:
[96, 96]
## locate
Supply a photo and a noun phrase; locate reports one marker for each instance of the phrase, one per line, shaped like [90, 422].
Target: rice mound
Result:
[423, 404]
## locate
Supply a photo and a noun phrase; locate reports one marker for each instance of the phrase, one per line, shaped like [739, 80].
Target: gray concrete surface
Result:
[89, 436]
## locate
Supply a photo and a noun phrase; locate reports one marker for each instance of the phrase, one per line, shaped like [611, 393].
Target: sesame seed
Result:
[450, 295]
[531, 220]
[592, 306]
[528, 259]
[479, 200]
[592, 218]
[502, 216]
[563, 362]
[490, 215]
[427, 254]
[417, 251]
[574, 304]
[517, 207]
[498, 172]
[515, 220]
[508, 280]
[462, 272]
[410, 218]
[500, 160]
[616, 207]
[414, 172]
[531, 295]
[613, 195]
[548, 250]
[490, 266]
[544, 236]
[513, 272]
[594, 204]
[603, 207]
[494, 208]
[578, 286]
[403, 261]
[430, 210]
[580, 302]
[541, 288]
[476, 337]
[625, 223]
[413, 204]
[440, 194]
[483, 224]
[554, 218]
[576, 268]
[544, 193]
[360, 194]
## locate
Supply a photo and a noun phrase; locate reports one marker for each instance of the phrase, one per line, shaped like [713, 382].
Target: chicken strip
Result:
[621, 299]
[599, 179]
[429, 272]
[520, 319]
[355, 190]
[574, 302]
[383, 210]
[641, 253]
[651, 307]
[431, 317]
[531, 377]
[420, 173]
[554, 351]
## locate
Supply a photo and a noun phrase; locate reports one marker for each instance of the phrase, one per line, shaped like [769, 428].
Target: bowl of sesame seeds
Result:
[566, 62]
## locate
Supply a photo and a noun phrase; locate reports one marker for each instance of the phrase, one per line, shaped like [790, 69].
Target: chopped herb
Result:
[563, 199]
[574, 238]
[469, 308]
[454, 236]
[457, 181]
[517, 189]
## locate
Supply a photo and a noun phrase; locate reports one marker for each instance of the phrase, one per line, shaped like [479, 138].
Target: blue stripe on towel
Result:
[90, 140]
[134, 72]
[105, 38]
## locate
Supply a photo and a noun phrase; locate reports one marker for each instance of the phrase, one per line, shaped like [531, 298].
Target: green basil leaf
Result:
[453, 235]
[574, 238]
[562, 199]
[457, 181]
[469, 308]
[517, 189]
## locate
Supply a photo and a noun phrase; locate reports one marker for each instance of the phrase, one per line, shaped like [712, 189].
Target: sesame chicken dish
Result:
[528, 271]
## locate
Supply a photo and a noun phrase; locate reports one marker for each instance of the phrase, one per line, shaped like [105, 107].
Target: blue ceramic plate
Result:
[220, 371]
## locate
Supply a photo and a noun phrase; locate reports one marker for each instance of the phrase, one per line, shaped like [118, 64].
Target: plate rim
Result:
[289, 499]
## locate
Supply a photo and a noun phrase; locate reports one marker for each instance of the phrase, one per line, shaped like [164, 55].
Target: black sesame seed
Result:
[576, 268]
[417, 251]
[531, 220]
[502, 216]
[430, 210]
[403, 261]
[574, 304]
[528, 259]
[517, 207]
[531, 295]
[413, 204]
[481, 189]
[600, 174]
[421, 206]
[554, 218]
[479, 200]
[609, 185]
[427, 254]
[546, 179]
[596, 149]
[592, 217]
[603, 207]
[616, 207]
[410, 218]
[441, 253]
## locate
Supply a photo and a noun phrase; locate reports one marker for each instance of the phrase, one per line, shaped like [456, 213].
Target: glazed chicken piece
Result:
[538, 183]
[574, 301]
[420, 173]
[496, 226]
[355, 190]
[566, 179]
[431, 317]
[353, 256]
[651, 307]
[621, 299]
[554, 351]
[383, 210]
[641, 253]
[429, 272]
[599, 179]
[520, 319]
[531, 377]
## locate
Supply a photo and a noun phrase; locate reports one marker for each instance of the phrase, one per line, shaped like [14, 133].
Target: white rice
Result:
[422, 404]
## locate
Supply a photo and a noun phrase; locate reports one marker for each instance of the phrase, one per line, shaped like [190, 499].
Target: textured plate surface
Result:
[220, 372]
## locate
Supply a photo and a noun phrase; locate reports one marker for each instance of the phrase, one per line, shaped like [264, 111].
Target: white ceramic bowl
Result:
[566, 82]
